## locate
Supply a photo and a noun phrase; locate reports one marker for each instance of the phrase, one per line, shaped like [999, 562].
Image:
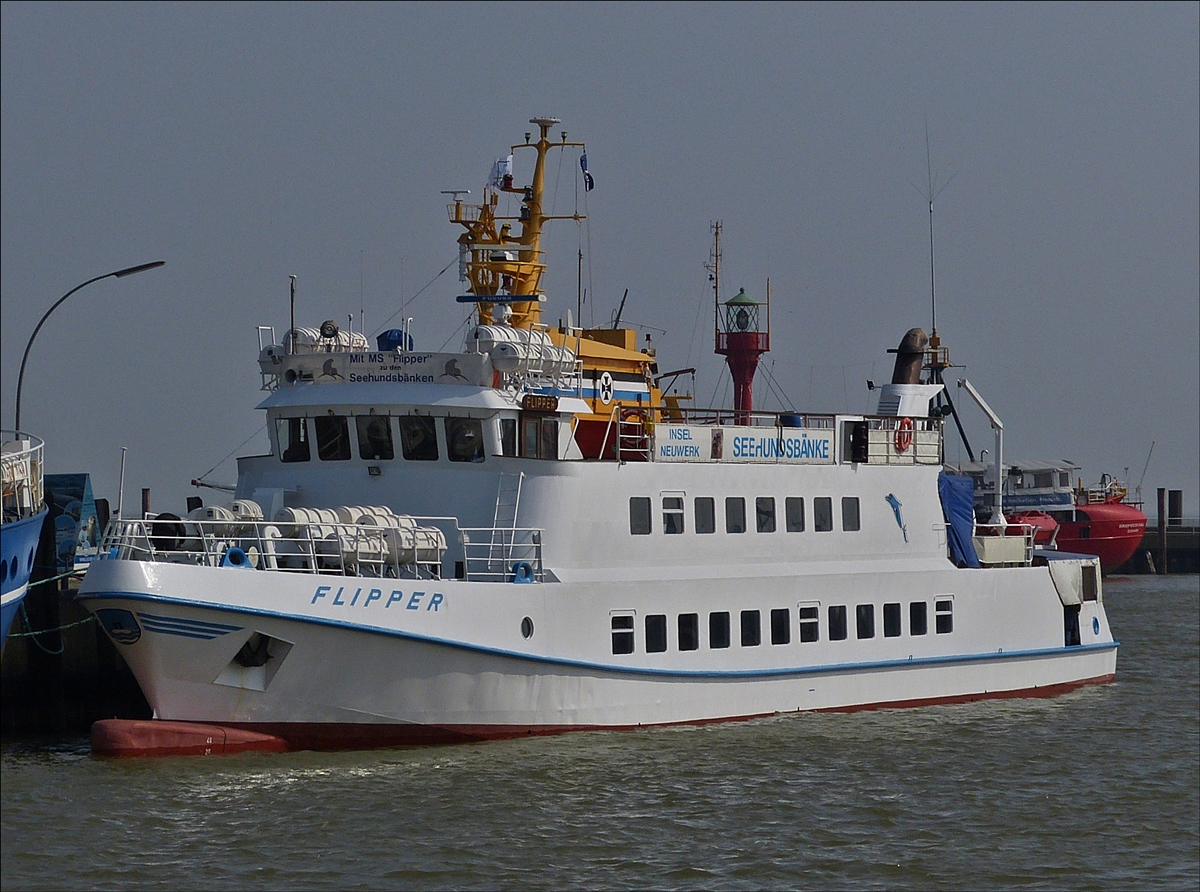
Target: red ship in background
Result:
[1081, 520]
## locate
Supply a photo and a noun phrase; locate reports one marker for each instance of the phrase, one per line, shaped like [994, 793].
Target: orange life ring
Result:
[904, 434]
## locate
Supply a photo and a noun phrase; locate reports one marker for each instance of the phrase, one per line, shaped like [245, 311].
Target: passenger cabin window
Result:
[735, 514]
[751, 628]
[837, 623]
[793, 507]
[781, 626]
[718, 630]
[639, 516]
[508, 436]
[918, 618]
[706, 515]
[375, 438]
[764, 514]
[850, 522]
[418, 438]
[464, 439]
[864, 615]
[672, 514]
[891, 620]
[656, 633]
[293, 439]
[333, 437]
[810, 622]
[689, 631]
[943, 616]
[622, 634]
[823, 514]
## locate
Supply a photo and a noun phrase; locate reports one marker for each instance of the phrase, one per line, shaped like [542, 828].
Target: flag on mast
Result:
[588, 183]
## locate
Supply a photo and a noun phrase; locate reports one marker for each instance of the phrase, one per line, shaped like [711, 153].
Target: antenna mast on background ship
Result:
[937, 356]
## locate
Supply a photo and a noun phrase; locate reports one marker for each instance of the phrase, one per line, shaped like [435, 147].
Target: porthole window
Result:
[656, 633]
[918, 618]
[810, 622]
[689, 631]
[751, 628]
[672, 514]
[706, 518]
[735, 514]
[891, 620]
[527, 628]
[794, 510]
[781, 626]
[864, 615]
[718, 630]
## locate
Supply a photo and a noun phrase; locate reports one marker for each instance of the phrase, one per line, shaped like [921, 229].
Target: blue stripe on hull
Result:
[1001, 656]
[18, 546]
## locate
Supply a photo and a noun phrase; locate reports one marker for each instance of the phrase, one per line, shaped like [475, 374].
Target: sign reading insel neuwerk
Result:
[685, 442]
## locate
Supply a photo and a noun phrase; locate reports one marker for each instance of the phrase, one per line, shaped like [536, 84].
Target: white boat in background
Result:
[21, 484]
[527, 537]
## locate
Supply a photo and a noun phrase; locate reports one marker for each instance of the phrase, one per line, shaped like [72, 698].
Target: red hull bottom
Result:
[154, 737]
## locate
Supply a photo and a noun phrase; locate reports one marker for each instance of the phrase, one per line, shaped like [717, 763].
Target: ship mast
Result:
[501, 268]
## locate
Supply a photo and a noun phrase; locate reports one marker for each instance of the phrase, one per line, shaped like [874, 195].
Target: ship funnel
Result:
[910, 356]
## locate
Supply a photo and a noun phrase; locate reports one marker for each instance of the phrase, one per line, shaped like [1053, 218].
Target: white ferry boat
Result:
[528, 537]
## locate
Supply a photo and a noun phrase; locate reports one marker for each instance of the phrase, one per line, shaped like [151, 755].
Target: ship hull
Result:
[1110, 530]
[352, 675]
[18, 547]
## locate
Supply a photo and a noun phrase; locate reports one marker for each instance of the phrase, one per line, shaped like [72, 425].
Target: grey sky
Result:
[244, 143]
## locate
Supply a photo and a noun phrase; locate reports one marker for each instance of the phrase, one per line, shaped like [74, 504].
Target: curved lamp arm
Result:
[121, 273]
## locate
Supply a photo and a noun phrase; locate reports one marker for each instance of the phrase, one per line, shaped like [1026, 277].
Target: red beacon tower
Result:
[740, 337]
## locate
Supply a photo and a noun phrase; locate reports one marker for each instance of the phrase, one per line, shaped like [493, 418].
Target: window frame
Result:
[735, 509]
[822, 514]
[764, 514]
[645, 513]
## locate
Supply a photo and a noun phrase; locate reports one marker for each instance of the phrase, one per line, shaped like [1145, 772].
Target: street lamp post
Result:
[121, 273]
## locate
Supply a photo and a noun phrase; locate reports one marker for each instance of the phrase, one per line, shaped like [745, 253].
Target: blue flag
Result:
[588, 183]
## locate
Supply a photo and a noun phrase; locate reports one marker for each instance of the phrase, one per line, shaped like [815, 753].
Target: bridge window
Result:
[850, 522]
[823, 514]
[333, 437]
[718, 629]
[751, 628]
[837, 623]
[375, 438]
[656, 633]
[706, 515]
[418, 438]
[689, 631]
[764, 514]
[793, 507]
[292, 434]
[464, 439]
[639, 516]
[508, 436]
[735, 514]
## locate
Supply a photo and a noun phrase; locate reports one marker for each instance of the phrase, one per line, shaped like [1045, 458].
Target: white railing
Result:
[21, 475]
[493, 554]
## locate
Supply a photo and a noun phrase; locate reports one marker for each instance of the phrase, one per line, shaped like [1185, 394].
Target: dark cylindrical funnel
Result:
[910, 356]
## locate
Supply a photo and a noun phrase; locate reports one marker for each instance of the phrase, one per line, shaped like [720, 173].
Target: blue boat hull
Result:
[18, 545]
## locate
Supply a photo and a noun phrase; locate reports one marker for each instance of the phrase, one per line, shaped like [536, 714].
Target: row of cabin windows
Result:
[765, 521]
[780, 625]
[418, 438]
[417, 435]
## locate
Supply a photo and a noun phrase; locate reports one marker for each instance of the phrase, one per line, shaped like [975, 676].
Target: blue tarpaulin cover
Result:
[958, 508]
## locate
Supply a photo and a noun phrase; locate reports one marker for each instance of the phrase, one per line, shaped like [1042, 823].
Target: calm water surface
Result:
[1098, 789]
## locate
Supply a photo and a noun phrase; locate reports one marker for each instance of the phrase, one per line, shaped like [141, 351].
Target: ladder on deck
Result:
[508, 502]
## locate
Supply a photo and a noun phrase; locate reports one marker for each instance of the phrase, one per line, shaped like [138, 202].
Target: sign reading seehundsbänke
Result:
[789, 445]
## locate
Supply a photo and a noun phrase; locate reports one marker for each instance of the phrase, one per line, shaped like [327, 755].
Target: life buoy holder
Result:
[904, 434]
